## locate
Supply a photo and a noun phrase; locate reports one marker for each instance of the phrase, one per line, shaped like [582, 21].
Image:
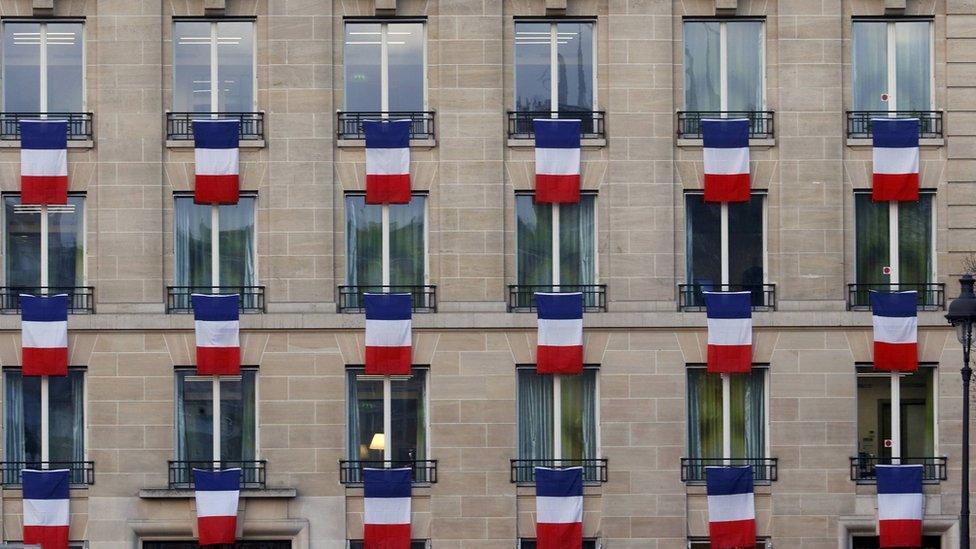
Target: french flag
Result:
[729, 332]
[560, 339]
[46, 516]
[895, 159]
[44, 335]
[559, 508]
[386, 498]
[900, 505]
[217, 157]
[217, 494]
[389, 349]
[387, 161]
[895, 320]
[726, 155]
[217, 325]
[557, 161]
[43, 162]
[731, 507]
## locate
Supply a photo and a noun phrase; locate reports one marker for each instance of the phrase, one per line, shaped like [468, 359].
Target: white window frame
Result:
[554, 58]
[43, 100]
[893, 251]
[556, 244]
[725, 238]
[385, 234]
[895, 386]
[46, 411]
[557, 415]
[723, 57]
[385, 58]
[891, 47]
[215, 60]
[388, 404]
[727, 407]
[216, 449]
[50, 211]
[215, 237]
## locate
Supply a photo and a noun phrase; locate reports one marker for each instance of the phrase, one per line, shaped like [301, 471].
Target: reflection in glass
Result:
[574, 59]
[405, 44]
[915, 240]
[364, 242]
[362, 52]
[235, 66]
[703, 242]
[913, 65]
[194, 417]
[192, 223]
[21, 67]
[22, 416]
[534, 66]
[870, 65]
[193, 87]
[407, 257]
[534, 241]
[871, 241]
[364, 415]
[191, 66]
[65, 67]
[533, 89]
[66, 253]
[577, 242]
[746, 242]
[408, 422]
[363, 76]
[701, 62]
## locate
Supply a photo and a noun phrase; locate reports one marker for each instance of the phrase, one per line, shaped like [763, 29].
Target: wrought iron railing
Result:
[349, 124]
[81, 299]
[763, 469]
[859, 122]
[761, 123]
[931, 295]
[81, 473]
[178, 298]
[253, 472]
[79, 124]
[424, 471]
[934, 469]
[423, 297]
[593, 123]
[594, 469]
[521, 297]
[691, 297]
[179, 125]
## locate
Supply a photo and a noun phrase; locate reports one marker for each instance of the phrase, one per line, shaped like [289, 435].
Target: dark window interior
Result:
[871, 542]
[253, 544]
[525, 543]
[415, 544]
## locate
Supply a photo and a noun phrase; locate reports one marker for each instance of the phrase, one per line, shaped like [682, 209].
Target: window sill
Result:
[361, 143]
[166, 493]
[866, 142]
[188, 144]
[759, 143]
[584, 143]
[72, 144]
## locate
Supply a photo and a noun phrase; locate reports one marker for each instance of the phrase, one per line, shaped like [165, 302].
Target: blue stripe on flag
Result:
[566, 306]
[556, 133]
[899, 479]
[725, 134]
[728, 304]
[388, 306]
[44, 134]
[381, 134]
[558, 483]
[216, 134]
[51, 484]
[386, 483]
[894, 304]
[899, 133]
[36, 308]
[226, 480]
[216, 307]
[727, 481]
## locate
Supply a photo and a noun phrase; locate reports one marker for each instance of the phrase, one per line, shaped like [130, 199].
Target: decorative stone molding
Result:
[895, 7]
[214, 7]
[555, 7]
[43, 7]
[725, 7]
[385, 7]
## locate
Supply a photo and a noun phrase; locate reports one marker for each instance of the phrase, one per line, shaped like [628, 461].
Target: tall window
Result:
[385, 66]
[386, 244]
[527, 543]
[194, 246]
[213, 66]
[874, 417]
[556, 243]
[66, 244]
[227, 406]
[725, 243]
[724, 65]
[894, 240]
[554, 66]
[892, 65]
[375, 402]
[43, 66]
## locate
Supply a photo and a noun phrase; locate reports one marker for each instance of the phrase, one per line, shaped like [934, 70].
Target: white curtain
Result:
[535, 427]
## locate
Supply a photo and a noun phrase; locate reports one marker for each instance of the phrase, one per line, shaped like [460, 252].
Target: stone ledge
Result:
[940, 142]
[166, 493]
[758, 143]
[530, 143]
[72, 144]
[188, 144]
[361, 143]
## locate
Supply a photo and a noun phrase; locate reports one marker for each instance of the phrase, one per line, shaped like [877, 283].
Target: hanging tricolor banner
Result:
[731, 507]
[43, 162]
[895, 319]
[895, 159]
[900, 505]
[729, 332]
[560, 338]
[217, 494]
[46, 508]
[217, 158]
[557, 161]
[559, 508]
[389, 346]
[387, 161]
[726, 155]
[217, 325]
[44, 335]
[386, 501]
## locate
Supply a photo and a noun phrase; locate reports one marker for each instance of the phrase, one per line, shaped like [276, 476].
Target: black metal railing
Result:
[763, 469]
[253, 472]
[691, 297]
[79, 124]
[521, 297]
[934, 469]
[593, 123]
[931, 295]
[859, 122]
[424, 471]
[81, 299]
[761, 123]
[82, 473]
[349, 124]
[594, 469]
[179, 125]
[423, 297]
[179, 298]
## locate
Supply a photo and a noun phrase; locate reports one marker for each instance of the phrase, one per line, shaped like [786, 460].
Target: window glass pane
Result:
[574, 58]
[362, 50]
[533, 88]
[745, 65]
[235, 66]
[913, 65]
[407, 260]
[578, 429]
[66, 254]
[364, 242]
[577, 239]
[408, 417]
[871, 230]
[22, 417]
[748, 414]
[405, 44]
[917, 414]
[65, 67]
[873, 542]
[21, 67]
[703, 241]
[915, 240]
[23, 245]
[236, 242]
[191, 66]
[192, 223]
[194, 417]
[869, 69]
[67, 416]
[237, 417]
[704, 414]
[746, 242]
[364, 417]
[535, 407]
[192, 244]
[701, 59]
[534, 240]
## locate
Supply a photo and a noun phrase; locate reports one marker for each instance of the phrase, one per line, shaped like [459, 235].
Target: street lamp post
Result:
[962, 314]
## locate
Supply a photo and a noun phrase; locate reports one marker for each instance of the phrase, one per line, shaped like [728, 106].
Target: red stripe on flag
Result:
[895, 357]
[559, 359]
[900, 533]
[217, 189]
[48, 537]
[388, 361]
[732, 534]
[557, 189]
[44, 361]
[567, 535]
[218, 361]
[729, 359]
[386, 536]
[216, 530]
[388, 189]
[902, 187]
[43, 189]
[727, 188]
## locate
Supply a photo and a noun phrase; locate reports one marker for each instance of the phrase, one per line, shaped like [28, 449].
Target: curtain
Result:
[577, 256]
[704, 414]
[744, 65]
[915, 241]
[913, 68]
[701, 64]
[407, 258]
[533, 241]
[364, 242]
[871, 240]
[578, 407]
[408, 424]
[192, 243]
[194, 405]
[535, 428]
[14, 414]
[352, 417]
[870, 65]
[66, 253]
[237, 243]
[748, 414]
[746, 242]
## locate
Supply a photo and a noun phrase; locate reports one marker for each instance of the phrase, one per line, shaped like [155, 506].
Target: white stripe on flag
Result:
[559, 510]
[557, 161]
[731, 507]
[218, 333]
[896, 329]
[386, 511]
[387, 161]
[43, 334]
[217, 161]
[44, 162]
[560, 332]
[387, 333]
[45, 512]
[895, 160]
[729, 331]
[217, 503]
[726, 161]
[900, 506]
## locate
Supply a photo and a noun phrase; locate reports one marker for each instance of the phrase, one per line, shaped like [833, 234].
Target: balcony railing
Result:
[764, 470]
[692, 299]
[82, 473]
[79, 124]
[178, 298]
[81, 299]
[349, 124]
[593, 123]
[179, 125]
[423, 297]
[594, 469]
[424, 471]
[931, 295]
[859, 122]
[253, 472]
[521, 297]
[761, 123]
[934, 469]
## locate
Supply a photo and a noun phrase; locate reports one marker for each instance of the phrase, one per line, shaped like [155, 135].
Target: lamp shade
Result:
[962, 310]
[378, 442]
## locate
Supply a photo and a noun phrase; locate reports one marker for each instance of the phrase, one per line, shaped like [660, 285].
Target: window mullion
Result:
[215, 395]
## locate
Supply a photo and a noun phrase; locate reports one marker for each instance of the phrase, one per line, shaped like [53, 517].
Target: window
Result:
[239, 544]
[414, 544]
[892, 65]
[554, 64]
[724, 64]
[375, 402]
[384, 56]
[703, 543]
[36, 53]
[873, 542]
[895, 237]
[386, 244]
[875, 423]
[65, 249]
[213, 66]
[528, 543]
[194, 245]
